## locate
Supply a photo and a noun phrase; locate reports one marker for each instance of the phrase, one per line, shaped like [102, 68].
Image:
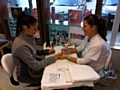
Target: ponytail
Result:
[24, 20]
[19, 26]
[103, 30]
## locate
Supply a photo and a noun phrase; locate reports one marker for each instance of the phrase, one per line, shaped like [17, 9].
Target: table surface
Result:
[61, 67]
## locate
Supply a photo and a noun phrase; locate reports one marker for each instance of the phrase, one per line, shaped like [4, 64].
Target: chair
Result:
[104, 72]
[8, 66]
[109, 70]
[108, 61]
[108, 78]
[106, 68]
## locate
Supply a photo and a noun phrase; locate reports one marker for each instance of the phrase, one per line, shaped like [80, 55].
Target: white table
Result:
[62, 82]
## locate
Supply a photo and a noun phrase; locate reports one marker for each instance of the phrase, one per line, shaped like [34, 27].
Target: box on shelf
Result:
[75, 17]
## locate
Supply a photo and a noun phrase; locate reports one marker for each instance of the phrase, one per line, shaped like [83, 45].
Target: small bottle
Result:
[54, 41]
[63, 38]
[61, 16]
[48, 43]
[66, 37]
[58, 38]
[53, 14]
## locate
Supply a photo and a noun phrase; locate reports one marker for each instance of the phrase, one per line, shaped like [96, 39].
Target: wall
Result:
[116, 58]
[3, 16]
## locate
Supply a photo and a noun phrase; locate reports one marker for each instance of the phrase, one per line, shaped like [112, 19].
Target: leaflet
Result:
[53, 78]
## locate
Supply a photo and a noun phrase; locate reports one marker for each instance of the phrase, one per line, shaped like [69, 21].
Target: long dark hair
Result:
[101, 24]
[26, 20]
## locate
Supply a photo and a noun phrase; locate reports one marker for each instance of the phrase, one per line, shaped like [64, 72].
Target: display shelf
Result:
[59, 31]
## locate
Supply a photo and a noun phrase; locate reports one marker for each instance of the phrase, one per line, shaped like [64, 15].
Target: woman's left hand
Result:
[51, 51]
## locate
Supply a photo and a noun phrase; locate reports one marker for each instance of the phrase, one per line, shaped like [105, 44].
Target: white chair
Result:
[8, 66]
[106, 66]
[104, 72]
[107, 79]
[108, 61]
[109, 70]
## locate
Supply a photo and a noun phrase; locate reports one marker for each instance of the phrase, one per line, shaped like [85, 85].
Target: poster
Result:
[75, 17]
[77, 35]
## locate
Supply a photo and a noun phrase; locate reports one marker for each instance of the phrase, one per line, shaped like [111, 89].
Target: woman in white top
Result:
[94, 50]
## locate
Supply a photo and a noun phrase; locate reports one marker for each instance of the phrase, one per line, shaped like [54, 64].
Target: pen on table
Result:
[58, 77]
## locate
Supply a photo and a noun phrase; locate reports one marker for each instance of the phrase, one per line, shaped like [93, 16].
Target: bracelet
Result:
[69, 58]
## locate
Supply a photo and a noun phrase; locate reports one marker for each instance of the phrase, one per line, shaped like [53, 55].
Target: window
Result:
[66, 2]
[22, 3]
[65, 5]
[109, 11]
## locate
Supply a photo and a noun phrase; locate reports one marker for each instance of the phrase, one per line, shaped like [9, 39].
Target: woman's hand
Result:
[57, 56]
[64, 56]
[65, 50]
[51, 51]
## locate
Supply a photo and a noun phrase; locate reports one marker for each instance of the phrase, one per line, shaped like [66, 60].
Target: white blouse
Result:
[94, 53]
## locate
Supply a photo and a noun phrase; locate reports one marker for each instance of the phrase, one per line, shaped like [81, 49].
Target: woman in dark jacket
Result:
[29, 69]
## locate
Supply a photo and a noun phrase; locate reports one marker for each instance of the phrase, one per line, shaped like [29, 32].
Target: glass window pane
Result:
[31, 8]
[109, 10]
[65, 5]
[66, 2]
[91, 5]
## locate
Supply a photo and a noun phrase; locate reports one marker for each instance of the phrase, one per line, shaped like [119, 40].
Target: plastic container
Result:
[53, 14]
[61, 16]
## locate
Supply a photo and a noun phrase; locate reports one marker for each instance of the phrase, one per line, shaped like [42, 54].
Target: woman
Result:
[29, 69]
[94, 50]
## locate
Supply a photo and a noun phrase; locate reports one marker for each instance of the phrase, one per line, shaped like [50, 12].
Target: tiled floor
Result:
[109, 84]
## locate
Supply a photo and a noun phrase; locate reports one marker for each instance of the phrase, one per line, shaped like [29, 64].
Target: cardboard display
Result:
[75, 17]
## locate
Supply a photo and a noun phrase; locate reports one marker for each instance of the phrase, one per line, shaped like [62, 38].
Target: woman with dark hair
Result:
[29, 67]
[94, 49]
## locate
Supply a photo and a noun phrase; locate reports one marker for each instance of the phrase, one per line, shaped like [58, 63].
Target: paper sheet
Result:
[67, 76]
[52, 78]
